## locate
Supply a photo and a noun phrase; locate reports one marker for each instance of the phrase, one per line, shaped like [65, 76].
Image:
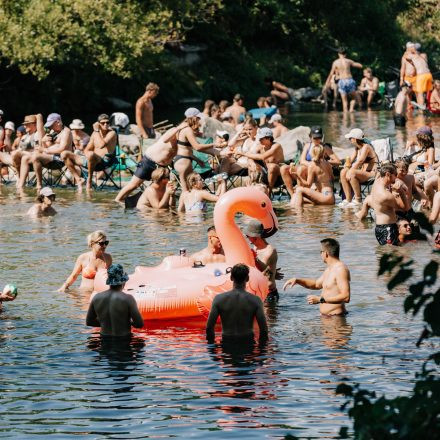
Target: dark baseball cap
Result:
[316, 132]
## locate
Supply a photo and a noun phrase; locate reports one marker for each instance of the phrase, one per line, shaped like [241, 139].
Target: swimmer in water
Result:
[43, 206]
[89, 263]
[334, 282]
[113, 310]
[213, 253]
[5, 296]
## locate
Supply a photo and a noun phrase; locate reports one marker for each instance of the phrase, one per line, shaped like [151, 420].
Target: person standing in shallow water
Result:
[113, 310]
[334, 282]
[237, 309]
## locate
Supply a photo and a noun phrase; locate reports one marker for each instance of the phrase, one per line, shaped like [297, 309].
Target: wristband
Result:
[322, 300]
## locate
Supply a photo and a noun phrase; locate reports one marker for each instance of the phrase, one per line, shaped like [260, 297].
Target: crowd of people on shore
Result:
[245, 150]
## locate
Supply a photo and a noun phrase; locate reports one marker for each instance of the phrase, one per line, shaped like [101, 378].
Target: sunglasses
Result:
[406, 226]
[104, 122]
[102, 243]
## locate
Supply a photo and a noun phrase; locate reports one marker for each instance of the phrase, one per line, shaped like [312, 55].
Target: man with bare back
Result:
[407, 69]
[346, 84]
[144, 111]
[423, 83]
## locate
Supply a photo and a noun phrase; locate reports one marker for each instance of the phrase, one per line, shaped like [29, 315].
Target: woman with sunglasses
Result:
[89, 263]
[43, 206]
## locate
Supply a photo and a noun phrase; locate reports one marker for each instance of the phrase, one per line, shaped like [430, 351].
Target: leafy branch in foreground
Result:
[417, 415]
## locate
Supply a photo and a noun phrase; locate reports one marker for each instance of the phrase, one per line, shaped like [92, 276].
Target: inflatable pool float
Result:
[177, 290]
[257, 113]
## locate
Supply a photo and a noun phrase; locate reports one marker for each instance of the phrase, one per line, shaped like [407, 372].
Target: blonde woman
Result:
[319, 173]
[89, 263]
[194, 200]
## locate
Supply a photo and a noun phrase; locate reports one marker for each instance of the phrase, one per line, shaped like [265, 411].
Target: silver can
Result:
[182, 252]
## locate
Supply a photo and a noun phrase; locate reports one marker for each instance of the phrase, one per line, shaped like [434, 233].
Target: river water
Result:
[58, 379]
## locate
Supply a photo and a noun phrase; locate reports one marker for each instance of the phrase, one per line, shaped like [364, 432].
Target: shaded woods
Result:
[70, 56]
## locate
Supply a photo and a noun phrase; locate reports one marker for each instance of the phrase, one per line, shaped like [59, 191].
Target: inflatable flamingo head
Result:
[252, 202]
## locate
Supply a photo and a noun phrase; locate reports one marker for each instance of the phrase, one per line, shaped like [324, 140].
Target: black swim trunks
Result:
[150, 133]
[145, 167]
[399, 120]
[387, 234]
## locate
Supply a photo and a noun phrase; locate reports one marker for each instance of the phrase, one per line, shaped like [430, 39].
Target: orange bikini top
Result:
[89, 272]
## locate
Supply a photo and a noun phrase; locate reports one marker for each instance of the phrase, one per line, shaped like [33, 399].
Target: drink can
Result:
[182, 252]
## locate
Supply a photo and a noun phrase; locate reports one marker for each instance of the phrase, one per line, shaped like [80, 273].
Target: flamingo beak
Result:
[270, 225]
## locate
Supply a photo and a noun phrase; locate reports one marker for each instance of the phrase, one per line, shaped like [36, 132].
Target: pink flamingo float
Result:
[176, 289]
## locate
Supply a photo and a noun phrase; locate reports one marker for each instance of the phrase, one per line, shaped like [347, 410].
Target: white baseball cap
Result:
[226, 115]
[355, 133]
[193, 112]
[275, 117]
[46, 192]
[264, 132]
[409, 44]
[76, 124]
[221, 133]
[10, 125]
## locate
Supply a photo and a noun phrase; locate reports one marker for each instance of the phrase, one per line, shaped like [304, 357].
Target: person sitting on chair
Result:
[98, 155]
[48, 155]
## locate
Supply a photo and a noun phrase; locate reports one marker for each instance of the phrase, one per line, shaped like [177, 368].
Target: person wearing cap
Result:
[267, 159]
[186, 142]
[363, 167]
[114, 311]
[144, 111]
[79, 136]
[48, 155]
[237, 309]
[99, 153]
[407, 69]
[423, 83]
[9, 133]
[346, 84]
[334, 282]
[369, 86]
[320, 174]
[213, 252]
[401, 104]
[44, 204]
[278, 128]
[236, 109]
[266, 256]
[421, 150]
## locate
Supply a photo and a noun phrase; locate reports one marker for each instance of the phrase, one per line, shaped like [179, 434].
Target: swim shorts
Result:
[107, 161]
[145, 167]
[56, 163]
[399, 120]
[387, 234]
[423, 83]
[151, 133]
[346, 86]
[411, 80]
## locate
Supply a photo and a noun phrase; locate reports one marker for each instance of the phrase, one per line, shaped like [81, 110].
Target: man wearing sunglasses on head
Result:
[99, 153]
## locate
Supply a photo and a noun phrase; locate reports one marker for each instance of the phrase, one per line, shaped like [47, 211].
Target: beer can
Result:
[182, 252]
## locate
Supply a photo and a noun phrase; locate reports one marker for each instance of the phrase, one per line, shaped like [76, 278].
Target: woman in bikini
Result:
[194, 200]
[186, 141]
[89, 263]
[363, 167]
[321, 174]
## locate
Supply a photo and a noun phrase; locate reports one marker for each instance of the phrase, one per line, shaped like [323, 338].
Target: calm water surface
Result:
[58, 379]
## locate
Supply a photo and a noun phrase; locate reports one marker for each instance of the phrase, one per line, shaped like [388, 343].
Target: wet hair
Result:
[387, 168]
[402, 163]
[96, 236]
[331, 246]
[425, 141]
[192, 179]
[193, 122]
[152, 86]
[239, 273]
[317, 152]
[208, 105]
[160, 173]
[223, 104]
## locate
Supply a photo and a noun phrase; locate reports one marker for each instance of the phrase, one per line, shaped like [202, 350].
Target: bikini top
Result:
[183, 143]
[199, 205]
[89, 272]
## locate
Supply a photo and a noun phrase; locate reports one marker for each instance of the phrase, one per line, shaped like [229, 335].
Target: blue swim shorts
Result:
[346, 86]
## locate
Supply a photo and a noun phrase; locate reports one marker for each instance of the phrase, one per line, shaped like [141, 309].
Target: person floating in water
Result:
[334, 282]
[237, 309]
[113, 310]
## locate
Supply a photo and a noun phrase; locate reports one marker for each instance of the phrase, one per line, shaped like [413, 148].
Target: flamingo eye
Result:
[263, 204]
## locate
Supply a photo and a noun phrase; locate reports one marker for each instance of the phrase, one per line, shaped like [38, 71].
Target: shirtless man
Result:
[334, 282]
[266, 257]
[388, 196]
[401, 104]
[236, 109]
[268, 156]
[160, 194]
[213, 253]
[407, 69]
[346, 84]
[278, 128]
[237, 309]
[434, 101]
[144, 111]
[423, 83]
[43, 207]
[98, 155]
[160, 154]
[48, 154]
[113, 310]
[280, 91]
[369, 85]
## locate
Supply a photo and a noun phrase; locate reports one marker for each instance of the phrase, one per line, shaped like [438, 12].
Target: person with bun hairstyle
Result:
[89, 263]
